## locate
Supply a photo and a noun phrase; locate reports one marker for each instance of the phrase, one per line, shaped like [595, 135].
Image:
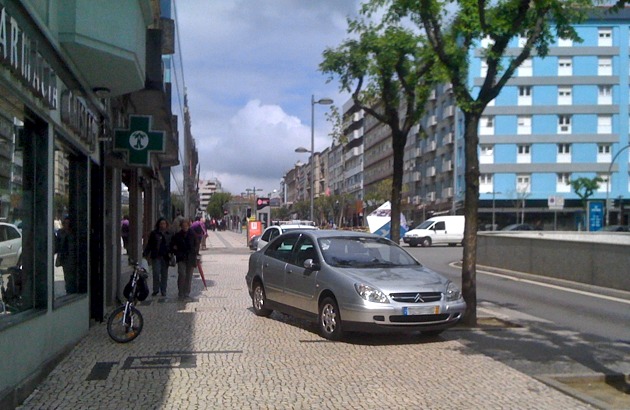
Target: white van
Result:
[439, 229]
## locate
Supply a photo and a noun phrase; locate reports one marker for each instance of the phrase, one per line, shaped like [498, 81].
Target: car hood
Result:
[397, 279]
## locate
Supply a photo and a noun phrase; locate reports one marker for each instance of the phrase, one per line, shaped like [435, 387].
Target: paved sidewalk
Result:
[214, 353]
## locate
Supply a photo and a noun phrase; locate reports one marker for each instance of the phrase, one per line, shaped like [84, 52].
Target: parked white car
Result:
[10, 245]
[439, 229]
[276, 230]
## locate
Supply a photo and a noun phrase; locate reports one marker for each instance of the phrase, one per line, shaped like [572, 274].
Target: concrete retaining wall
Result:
[601, 259]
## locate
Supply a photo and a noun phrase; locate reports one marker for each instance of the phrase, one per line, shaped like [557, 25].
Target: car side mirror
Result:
[311, 264]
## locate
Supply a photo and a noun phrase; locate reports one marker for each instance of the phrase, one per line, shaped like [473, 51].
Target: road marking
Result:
[547, 285]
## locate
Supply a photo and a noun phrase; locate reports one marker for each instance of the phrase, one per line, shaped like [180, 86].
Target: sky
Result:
[250, 68]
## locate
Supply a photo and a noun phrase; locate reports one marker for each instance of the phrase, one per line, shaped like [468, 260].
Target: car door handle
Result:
[289, 271]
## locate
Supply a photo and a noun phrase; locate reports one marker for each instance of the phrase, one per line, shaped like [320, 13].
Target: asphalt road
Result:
[563, 328]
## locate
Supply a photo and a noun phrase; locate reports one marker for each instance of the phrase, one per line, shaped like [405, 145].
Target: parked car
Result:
[253, 242]
[10, 245]
[351, 281]
[520, 227]
[277, 230]
[439, 229]
[616, 228]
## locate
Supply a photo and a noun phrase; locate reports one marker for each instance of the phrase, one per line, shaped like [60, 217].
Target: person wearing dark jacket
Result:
[157, 252]
[185, 246]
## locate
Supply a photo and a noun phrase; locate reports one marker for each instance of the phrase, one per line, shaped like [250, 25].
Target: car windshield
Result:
[424, 225]
[363, 252]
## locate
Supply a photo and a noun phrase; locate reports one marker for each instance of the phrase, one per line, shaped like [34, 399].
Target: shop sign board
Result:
[139, 141]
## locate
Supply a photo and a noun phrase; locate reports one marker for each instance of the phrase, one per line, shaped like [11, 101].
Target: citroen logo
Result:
[418, 299]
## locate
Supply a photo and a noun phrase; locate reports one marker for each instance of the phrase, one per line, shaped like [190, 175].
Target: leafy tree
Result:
[453, 28]
[336, 132]
[584, 189]
[332, 207]
[217, 203]
[386, 69]
[301, 210]
[379, 194]
[280, 214]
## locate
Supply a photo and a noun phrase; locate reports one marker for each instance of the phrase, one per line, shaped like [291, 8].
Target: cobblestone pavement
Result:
[214, 353]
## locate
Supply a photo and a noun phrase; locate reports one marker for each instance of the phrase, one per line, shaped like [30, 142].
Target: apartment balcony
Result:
[431, 171]
[447, 193]
[107, 44]
[448, 139]
[449, 111]
[430, 196]
[416, 176]
[447, 166]
[432, 121]
[431, 146]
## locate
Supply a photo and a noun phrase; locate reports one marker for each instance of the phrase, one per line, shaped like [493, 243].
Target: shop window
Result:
[70, 216]
[22, 189]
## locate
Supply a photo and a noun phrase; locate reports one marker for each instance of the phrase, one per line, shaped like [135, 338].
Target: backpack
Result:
[142, 289]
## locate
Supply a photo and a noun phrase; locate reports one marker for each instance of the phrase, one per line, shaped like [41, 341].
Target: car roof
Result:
[330, 233]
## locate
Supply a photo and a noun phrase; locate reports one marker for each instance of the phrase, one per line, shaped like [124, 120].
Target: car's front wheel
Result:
[426, 242]
[259, 300]
[330, 319]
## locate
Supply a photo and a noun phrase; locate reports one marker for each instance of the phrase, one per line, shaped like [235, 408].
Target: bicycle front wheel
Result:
[124, 328]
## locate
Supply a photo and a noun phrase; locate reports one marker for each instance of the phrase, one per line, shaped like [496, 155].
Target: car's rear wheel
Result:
[259, 300]
[426, 242]
[330, 319]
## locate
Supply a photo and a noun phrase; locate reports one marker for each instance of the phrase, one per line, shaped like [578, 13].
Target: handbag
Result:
[171, 260]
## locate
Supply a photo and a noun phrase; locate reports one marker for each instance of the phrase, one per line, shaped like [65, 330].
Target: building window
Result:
[524, 125]
[563, 182]
[486, 125]
[524, 155]
[487, 42]
[565, 95]
[525, 95]
[525, 69]
[603, 186]
[604, 37]
[486, 155]
[603, 153]
[523, 184]
[565, 42]
[604, 95]
[604, 124]
[486, 183]
[564, 124]
[604, 66]
[565, 66]
[564, 153]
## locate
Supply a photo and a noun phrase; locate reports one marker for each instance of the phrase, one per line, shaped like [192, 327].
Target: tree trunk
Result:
[471, 205]
[399, 140]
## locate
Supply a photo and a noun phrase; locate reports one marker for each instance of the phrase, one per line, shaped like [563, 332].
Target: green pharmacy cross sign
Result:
[139, 141]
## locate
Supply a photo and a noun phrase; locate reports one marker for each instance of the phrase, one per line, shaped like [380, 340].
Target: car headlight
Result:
[370, 294]
[452, 292]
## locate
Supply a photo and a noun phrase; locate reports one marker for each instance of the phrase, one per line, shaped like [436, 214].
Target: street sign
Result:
[595, 215]
[555, 202]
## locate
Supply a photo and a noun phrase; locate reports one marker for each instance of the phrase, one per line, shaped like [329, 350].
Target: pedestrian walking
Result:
[157, 252]
[67, 256]
[185, 246]
[199, 228]
[124, 231]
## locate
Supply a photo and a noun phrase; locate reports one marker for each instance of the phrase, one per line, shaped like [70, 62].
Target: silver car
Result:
[349, 281]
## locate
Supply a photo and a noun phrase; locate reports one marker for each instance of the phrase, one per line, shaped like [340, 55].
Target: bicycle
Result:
[125, 322]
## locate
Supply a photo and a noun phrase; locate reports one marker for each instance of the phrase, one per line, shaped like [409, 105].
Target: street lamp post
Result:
[322, 101]
[608, 181]
[493, 208]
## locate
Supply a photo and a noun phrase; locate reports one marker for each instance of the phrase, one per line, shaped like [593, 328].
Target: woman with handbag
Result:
[158, 254]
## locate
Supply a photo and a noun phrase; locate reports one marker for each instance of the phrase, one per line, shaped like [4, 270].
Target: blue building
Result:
[559, 118]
